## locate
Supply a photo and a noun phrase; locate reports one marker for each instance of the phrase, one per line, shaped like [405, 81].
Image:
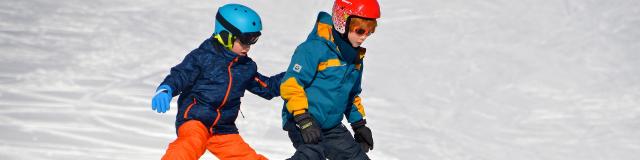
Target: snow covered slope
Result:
[450, 80]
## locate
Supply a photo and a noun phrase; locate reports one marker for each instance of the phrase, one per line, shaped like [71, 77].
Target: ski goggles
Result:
[362, 26]
[363, 31]
[249, 38]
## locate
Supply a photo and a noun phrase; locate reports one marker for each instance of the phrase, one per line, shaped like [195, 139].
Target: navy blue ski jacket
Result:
[211, 80]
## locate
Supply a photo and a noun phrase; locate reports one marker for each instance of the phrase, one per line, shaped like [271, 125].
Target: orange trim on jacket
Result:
[226, 95]
[262, 83]
[189, 108]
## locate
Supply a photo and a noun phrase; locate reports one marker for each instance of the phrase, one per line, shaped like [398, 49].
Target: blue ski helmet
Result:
[237, 21]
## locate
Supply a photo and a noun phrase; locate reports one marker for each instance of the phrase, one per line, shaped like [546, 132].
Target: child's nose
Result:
[245, 46]
[364, 37]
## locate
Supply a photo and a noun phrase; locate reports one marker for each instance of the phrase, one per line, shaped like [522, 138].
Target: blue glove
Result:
[162, 99]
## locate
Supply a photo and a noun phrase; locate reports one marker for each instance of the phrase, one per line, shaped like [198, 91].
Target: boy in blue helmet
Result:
[211, 81]
[322, 85]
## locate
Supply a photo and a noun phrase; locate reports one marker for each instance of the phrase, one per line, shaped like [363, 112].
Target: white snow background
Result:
[444, 79]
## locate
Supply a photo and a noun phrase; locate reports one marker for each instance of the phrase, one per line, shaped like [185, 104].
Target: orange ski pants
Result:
[193, 139]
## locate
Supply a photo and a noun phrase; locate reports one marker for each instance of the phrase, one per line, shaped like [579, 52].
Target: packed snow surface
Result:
[446, 80]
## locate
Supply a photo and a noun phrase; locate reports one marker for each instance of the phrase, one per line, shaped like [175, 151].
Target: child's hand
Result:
[362, 135]
[162, 99]
[308, 128]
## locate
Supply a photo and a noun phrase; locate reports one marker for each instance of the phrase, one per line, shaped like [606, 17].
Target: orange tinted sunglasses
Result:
[363, 31]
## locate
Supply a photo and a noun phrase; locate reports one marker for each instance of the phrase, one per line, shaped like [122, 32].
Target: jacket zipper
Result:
[226, 95]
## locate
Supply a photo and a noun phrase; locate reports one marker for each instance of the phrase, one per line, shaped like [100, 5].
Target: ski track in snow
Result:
[450, 80]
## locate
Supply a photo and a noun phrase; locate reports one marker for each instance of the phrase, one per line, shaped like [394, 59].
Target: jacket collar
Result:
[213, 46]
[347, 52]
[323, 31]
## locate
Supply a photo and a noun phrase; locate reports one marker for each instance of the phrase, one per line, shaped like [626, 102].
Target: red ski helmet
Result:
[343, 9]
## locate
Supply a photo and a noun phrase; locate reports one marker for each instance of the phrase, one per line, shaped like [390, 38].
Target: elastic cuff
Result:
[359, 123]
[165, 87]
[301, 117]
[299, 112]
[161, 90]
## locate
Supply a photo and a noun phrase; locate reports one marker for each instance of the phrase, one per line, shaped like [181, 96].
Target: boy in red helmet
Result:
[322, 85]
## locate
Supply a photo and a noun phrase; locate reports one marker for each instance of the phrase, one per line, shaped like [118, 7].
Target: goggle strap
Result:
[226, 24]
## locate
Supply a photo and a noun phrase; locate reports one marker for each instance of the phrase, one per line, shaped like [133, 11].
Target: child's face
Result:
[357, 38]
[240, 48]
[360, 29]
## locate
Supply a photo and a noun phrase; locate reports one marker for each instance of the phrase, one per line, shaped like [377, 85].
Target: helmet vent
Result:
[237, 19]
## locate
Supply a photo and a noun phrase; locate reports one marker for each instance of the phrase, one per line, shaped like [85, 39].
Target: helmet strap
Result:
[226, 39]
[345, 35]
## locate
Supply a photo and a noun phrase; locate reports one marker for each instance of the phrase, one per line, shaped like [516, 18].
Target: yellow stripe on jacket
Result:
[329, 63]
[295, 96]
[358, 103]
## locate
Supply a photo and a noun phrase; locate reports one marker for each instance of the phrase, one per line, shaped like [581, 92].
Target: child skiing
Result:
[211, 81]
[322, 84]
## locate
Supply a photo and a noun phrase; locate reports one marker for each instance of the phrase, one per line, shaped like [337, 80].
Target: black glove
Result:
[362, 134]
[308, 128]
